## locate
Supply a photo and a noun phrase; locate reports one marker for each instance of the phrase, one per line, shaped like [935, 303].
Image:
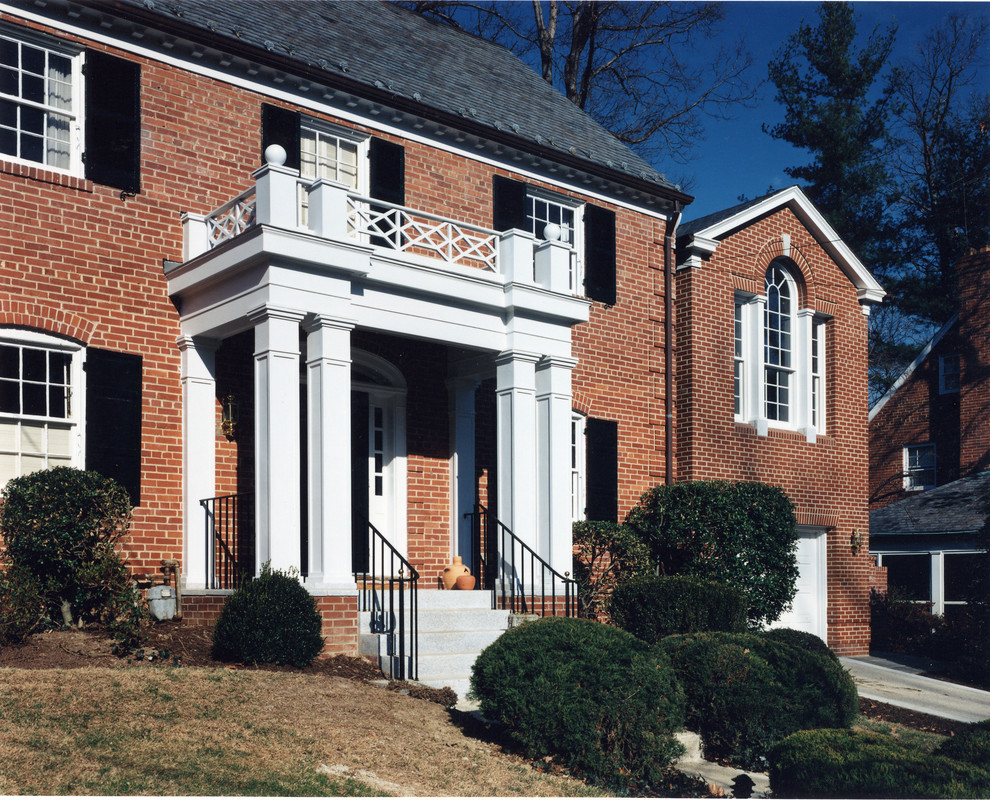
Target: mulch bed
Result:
[895, 715]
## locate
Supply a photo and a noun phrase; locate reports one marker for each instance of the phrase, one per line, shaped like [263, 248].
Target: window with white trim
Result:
[948, 374]
[578, 456]
[40, 102]
[919, 467]
[545, 208]
[778, 353]
[329, 152]
[39, 407]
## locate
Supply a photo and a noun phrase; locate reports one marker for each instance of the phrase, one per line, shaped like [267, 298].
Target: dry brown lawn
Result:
[190, 730]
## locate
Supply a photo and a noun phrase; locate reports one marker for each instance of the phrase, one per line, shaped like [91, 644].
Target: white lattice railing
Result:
[408, 230]
[232, 218]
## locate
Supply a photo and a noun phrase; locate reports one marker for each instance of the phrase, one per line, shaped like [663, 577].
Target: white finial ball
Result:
[551, 232]
[275, 155]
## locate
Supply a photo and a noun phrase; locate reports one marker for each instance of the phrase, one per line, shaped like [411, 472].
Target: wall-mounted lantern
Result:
[228, 417]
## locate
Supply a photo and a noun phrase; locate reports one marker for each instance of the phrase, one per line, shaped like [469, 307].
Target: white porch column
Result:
[553, 408]
[198, 376]
[464, 489]
[328, 371]
[276, 393]
[515, 398]
[801, 395]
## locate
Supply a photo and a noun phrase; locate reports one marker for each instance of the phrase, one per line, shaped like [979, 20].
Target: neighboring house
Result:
[771, 349]
[310, 277]
[930, 434]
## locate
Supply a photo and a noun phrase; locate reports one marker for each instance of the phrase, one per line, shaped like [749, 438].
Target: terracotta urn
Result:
[465, 583]
[452, 572]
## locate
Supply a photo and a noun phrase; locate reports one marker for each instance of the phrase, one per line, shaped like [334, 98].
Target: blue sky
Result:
[736, 156]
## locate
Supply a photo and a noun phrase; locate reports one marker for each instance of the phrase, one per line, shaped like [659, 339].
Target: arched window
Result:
[778, 328]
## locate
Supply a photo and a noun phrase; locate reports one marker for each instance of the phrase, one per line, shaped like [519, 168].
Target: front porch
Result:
[374, 367]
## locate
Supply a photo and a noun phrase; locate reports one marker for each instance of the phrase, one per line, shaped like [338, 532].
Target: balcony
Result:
[329, 210]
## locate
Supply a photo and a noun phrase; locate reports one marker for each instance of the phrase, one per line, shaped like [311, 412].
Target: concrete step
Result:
[448, 619]
[433, 642]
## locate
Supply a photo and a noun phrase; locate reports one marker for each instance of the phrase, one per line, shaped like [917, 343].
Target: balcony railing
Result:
[281, 199]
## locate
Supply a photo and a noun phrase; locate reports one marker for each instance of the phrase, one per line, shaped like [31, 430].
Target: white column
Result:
[515, 398]
[328, 371]
[464, 488]
[198, 376]
[553, 404]
[276, 392]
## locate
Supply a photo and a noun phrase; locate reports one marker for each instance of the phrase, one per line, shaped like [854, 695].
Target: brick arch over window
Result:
[56, 321]
[581, 403]
[800, 268]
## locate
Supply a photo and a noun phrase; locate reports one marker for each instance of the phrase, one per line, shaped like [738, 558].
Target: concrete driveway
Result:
[899, 684]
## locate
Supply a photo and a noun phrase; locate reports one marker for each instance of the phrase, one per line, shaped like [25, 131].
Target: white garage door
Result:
[807, 613]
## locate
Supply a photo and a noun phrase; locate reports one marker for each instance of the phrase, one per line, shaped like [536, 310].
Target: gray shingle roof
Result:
[957, 507]
[695, 225]
[391, 49]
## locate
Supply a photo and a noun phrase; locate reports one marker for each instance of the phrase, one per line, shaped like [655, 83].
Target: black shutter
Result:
[280, 126]
[599, 254]
[509, 204]
[387, 179]
[113, 418]
[602, 458]
[113, 121]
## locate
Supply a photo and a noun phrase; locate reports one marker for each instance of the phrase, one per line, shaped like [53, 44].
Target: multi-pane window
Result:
[948, 374]
[577, 468]
[919, 466]
[739, 362]
[777, 346]
[38, 103]
[36, 409]
[325, 154]
[818, 375]
[544, 210]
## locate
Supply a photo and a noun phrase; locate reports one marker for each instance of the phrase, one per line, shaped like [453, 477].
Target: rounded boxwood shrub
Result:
[970, 744]
[652, 607]
[271, 619]
[740, 533]
[22, 607]
[842, 763]
[802, 639]
[746, 692]
[597, 697]
[62, 525]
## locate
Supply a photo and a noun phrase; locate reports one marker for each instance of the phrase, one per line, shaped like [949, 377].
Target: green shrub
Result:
[596, 697]
[741, 534]
[62, 525]
[802, 639]
[746, 692]
[652, 607]
[971, 744]
[842, 763]
[608, 554]
[271, 619]
[22, 607]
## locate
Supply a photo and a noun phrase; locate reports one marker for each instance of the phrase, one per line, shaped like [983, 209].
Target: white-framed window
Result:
[578, 458]
[779, 376]
[778, 327]
[40, 398]
[545, 208]
[330, 152]
[739, 361]
[818, 396]
[948, 374]
[41, 101]
[919, 467]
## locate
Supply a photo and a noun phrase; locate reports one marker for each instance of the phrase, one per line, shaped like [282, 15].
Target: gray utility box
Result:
[161, 602]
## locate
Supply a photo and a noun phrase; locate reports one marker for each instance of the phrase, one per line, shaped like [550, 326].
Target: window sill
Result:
[45, 175]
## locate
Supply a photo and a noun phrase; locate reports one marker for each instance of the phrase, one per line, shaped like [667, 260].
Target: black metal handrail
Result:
[508, 566]
[224, 517]
[383, 593]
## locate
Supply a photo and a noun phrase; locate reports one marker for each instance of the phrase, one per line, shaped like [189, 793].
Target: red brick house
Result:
[930, 433]
[313, 286]
[771, 365]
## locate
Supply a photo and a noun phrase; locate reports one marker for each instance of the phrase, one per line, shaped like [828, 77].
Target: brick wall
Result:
[827, 480]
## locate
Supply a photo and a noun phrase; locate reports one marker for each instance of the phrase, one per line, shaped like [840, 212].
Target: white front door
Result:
[807, 612]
